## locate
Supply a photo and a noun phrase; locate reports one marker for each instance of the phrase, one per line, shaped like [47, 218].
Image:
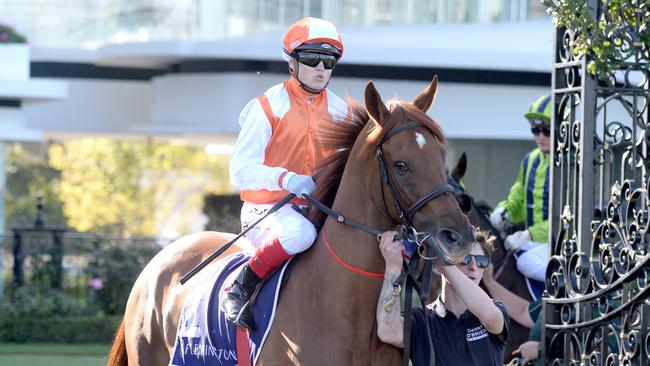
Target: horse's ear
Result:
[460, 169]
[374, 105]
[425, 99]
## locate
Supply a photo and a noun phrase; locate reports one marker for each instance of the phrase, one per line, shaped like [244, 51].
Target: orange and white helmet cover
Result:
[312, 31]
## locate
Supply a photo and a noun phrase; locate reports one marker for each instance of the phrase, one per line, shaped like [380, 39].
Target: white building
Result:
[183, 69]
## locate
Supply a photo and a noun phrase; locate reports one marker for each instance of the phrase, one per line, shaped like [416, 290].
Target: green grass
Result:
[55, 348]
[51, 354]
[51, 360]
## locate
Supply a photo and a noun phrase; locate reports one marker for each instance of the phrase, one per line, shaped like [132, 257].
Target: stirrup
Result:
[245, 317]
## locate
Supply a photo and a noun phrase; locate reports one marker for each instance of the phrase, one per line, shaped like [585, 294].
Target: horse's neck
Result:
[353, 246]
[355, 202]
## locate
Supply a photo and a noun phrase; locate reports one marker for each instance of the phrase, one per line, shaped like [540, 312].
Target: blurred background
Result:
[117, 118]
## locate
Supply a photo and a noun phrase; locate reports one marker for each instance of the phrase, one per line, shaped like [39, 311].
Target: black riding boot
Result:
[238, 297]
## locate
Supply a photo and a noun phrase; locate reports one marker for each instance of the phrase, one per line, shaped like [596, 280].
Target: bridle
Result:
[405, 211]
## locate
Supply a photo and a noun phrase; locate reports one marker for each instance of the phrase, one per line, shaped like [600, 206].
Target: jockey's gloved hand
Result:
[496, 217]
[516, 240]
[300, 185]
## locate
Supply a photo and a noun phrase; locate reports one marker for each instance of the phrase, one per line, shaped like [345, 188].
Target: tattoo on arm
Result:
[389, 318]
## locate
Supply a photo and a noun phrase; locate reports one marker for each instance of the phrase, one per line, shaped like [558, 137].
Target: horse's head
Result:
[411, 180]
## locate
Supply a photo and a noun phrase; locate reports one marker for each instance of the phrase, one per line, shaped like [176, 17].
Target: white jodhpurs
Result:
[293, 230]
[532, 263]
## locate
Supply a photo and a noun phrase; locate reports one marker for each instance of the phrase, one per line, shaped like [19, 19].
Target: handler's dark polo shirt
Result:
[457, 341]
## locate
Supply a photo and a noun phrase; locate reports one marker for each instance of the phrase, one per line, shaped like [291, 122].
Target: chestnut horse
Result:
[505, 265]
[326, 313]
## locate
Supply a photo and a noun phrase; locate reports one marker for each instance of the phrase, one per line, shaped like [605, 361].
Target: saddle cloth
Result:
[204, 335]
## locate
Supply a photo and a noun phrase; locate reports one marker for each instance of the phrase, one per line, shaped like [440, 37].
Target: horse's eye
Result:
[401, 166]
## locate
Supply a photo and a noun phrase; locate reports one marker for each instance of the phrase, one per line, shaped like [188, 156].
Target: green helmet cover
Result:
[540, 110]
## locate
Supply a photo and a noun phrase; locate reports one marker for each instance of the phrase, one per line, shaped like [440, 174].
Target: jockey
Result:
[277, 152]
[528, 198]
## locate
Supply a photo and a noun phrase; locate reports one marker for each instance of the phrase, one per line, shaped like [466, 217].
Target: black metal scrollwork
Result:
[597, 301]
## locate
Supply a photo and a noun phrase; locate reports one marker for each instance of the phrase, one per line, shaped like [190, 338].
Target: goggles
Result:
[312, 59]
[538, 121]
[537, 130]
[482, 261]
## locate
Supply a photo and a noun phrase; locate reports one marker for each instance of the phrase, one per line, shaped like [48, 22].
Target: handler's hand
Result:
[391, 250]
[529, 351]
[488, 274]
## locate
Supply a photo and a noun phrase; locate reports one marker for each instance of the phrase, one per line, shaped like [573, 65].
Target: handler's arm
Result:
[476, 300]
[516, 306]
[390, 323]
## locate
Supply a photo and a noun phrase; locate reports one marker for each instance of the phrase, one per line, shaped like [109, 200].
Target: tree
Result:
[135, 187]
[615, 33]
[28, 177]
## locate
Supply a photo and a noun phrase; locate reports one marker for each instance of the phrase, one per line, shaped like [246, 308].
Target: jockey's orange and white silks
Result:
[260, 166]
[277, 141]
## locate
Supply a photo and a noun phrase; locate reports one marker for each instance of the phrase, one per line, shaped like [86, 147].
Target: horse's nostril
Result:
[450, 236]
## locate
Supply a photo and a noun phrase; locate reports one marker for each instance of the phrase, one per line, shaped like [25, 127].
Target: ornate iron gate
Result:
[597, 311]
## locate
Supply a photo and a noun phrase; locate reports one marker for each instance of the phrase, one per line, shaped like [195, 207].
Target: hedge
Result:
[59, 329]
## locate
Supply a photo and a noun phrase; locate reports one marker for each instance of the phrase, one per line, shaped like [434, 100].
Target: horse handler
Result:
[277, 152]
[467, 327]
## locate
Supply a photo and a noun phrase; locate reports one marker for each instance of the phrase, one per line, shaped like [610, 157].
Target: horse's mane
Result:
[340, 136]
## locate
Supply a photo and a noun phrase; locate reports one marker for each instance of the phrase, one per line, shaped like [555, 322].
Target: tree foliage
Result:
[616, 32]
[29, 176]
[134, 187]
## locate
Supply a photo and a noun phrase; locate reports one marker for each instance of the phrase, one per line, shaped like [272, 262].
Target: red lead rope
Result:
[346, 265]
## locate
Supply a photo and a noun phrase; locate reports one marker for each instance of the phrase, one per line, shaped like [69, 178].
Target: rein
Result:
[342, 219]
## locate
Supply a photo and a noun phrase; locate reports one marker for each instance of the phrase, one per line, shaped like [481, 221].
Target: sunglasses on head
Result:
[482, 261]
[537, 130]
[312, 59]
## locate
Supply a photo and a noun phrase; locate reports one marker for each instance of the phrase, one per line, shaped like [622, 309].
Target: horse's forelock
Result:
[401, 112]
